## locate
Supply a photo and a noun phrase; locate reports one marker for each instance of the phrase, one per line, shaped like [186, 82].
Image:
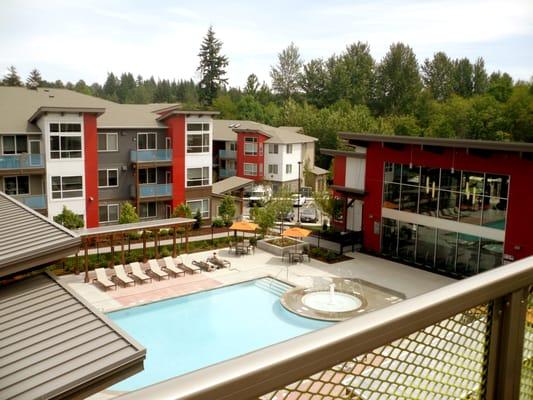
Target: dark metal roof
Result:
[54, 345]
[28, 239]
[445, 142]
[347, 153]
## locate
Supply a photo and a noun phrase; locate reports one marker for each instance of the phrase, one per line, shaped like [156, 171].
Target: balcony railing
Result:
[226, 173]
[227, 154]
[150, 155]
[472, 339]
[37, 202]
[17, 161]
[155, 190]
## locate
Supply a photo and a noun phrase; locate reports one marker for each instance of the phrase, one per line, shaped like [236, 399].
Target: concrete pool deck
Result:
[409, 281]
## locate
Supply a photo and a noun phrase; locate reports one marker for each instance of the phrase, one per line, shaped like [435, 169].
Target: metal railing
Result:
[471, 339]
[16, 161]
[37, 202]
[226, 173]
[151, 155]
[227, 154]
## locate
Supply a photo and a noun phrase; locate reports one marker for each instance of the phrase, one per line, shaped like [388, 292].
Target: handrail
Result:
[262, 371]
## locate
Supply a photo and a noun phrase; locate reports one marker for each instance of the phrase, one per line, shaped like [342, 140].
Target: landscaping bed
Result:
[327, 256]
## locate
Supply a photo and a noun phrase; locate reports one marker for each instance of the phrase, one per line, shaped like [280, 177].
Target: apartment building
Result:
[451, 206]
[62, 148]
[263, 153]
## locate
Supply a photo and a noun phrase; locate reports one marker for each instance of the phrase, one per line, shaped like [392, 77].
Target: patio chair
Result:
[208, 267]
[192, 269]
[219, 262]
[122, 277]
[137, 273]
[102, 279]
[171, 267]
[155, 270]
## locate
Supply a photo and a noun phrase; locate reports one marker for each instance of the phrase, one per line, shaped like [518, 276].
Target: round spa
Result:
[338, 300]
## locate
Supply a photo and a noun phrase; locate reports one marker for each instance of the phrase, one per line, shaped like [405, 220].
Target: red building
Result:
[453, 206]
[250, 154]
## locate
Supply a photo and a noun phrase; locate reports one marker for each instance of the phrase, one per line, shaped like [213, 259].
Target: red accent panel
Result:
[90, 138]
[339, 170]
[259, 159]
[176, 131]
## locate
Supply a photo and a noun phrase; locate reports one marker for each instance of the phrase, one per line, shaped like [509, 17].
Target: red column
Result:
[176, 131]
[90, 138]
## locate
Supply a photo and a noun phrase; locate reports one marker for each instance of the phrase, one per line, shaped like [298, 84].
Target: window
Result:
[289, 148]
[202, 205]
[273, 149]
[233, 146]
[197, 176]
[197, 127]
[250, 146]
[15, 185]
[148, 210]
[108, 213]
[15, 144]
[147, 175]
[146, 141]
[272, 168]
[65, 127]
[107, 178]
[288, 168]
[250, 169]
[64, 187]
[198, 143]
[107, 142]
[63, 144]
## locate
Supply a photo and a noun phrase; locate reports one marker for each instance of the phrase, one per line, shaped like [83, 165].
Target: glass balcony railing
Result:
[151, 155]
[37, 202]
[227, 154]
[226, 173]
[155, 190]
[16, 161]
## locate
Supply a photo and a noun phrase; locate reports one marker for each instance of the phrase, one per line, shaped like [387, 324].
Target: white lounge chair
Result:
[155, 269]
[122, 276]
[102, 279]
[171, 267]
[193, 269]
[137, 273]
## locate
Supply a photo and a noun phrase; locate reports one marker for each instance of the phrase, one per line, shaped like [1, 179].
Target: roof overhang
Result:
[259, 131]
[230, 184]
[351, 192]
[344, 153]
[441, 142]
[135, 226]
[186, 113]
[44, 110]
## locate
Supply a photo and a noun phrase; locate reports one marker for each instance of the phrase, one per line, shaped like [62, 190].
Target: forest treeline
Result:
[440, 97]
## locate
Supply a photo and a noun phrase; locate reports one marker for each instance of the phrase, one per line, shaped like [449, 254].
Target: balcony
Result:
[151, 156]
[227, 154]
[37, 202]
[226, 173]
[21, 161]
[150, 190]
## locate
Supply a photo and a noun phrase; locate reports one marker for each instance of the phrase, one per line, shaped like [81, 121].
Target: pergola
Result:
[114, 233]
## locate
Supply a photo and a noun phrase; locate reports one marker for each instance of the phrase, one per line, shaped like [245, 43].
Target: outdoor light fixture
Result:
[433, 190]
[427, 185]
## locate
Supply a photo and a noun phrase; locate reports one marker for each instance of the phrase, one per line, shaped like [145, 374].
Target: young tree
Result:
[128, 214]
[182, 211]
[252, 85]
[286, 75]
[12, 78]
[227, 209]
[34, 79]
[265, 217]
[438, 76]
[281, 204]
[212, 68]
[68, 219]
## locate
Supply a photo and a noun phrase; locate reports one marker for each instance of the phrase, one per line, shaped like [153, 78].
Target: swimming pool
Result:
[190, 332]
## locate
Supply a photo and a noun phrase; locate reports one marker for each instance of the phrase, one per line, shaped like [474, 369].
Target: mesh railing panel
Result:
[526, 379]
[442, 361]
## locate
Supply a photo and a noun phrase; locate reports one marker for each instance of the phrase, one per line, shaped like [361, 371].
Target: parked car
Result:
[288, 217]
[298, 200]
[308, 214]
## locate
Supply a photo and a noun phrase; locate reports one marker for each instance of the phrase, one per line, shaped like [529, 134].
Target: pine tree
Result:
[212, 68]
[12, 78]
[252, 85]
[34, 79]
[286, 75]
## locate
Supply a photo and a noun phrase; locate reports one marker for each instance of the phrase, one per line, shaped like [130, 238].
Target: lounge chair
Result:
[102, 279]
[172, 268]
[205, 265]
[219, 262]
[193, 269]
[137, 273]
[122, 277]
[155, 270]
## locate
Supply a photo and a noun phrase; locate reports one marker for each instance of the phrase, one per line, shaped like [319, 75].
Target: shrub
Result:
[68, 219]
[198, 218]
[164, 252]
[218, 223]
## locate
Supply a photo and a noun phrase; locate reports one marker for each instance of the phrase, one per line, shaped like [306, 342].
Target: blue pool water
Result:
[194, 331]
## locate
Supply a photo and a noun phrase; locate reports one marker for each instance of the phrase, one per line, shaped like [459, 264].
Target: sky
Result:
[74, 39]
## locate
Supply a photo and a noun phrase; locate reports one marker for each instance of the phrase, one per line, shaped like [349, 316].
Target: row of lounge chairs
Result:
[172, 267]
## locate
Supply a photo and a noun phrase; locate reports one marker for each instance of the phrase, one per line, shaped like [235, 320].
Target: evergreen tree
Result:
[252, 85]
[463, 77]
[286, 75]
[314, 82]
[359, 67]
[34, 79]
[110, 87]
[82, 87]
[438, 76]
[128, 214]
[398, 80]
[480, 79]
[212, 68]
[12, 78]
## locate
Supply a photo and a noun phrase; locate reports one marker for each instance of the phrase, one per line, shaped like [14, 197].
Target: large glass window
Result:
[198, 137]
[490, 255]
[202, 205]
[409, 198]
[12, 144]
[148, 209]
[146, 141]
[108, 213]
[250, 146]
[389, 237]
[65, 147]
[64, 187]
[446, 251]
[107, 142]
[406, 241]
[467, 254]
[449, 205]
[197, 176]
[425, 246]
[15, 185]
[391, 196]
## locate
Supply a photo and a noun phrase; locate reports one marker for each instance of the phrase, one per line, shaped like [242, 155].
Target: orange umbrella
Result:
[244, 226]
[296, 232]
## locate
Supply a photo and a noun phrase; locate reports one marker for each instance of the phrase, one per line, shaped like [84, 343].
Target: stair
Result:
[273, 286]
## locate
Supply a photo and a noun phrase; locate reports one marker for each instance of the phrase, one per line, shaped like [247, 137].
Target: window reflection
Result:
[391, 196]
[494, 209]
[389, 237]
[467, 254]
[490, 255]
[449, 205]
[409, 199]
[406, 241]
[425, 247]
[446, 251]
